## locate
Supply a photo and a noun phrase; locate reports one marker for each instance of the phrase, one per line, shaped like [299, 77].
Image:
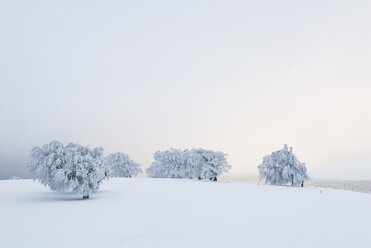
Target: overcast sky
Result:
[243, 77]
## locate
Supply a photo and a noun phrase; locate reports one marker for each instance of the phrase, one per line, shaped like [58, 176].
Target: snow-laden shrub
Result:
[74, 167]
[120, 165]
[282, 167]
[195, 163]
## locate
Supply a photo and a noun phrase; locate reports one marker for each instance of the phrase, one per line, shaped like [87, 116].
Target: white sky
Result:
[243, 77]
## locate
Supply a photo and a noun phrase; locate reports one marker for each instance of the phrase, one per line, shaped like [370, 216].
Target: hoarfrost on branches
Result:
[73, 167]
[120, 165]
[196, 163]
[282, 167]
[170, 164]
[214, 163]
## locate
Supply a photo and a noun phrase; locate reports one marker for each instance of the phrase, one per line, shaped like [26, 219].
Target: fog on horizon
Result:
[243, 77]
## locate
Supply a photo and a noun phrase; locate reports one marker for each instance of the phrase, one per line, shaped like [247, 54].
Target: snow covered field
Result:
[363, 186]
[353, 185]
[143, 212]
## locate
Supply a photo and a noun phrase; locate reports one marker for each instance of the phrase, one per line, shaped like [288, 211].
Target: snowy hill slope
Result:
[142, 212]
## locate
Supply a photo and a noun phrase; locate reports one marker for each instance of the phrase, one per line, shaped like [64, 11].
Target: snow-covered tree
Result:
[74, 167]
[195, 163]
[121, 165]
[214, 163]
[168, 164]
[282, 167]
[47, 162]
[85, 169]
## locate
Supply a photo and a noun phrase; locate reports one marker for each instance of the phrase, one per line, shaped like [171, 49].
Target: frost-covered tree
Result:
[282, 167]
[195, 163]
[121, 165]
[85, 169]
[46, 164]
[168, 164]
[214, 163]
[74, 167]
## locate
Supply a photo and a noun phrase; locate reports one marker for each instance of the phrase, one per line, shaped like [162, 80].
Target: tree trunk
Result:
[199, 178]
[85, 197]
[302, 183]
[215, 179]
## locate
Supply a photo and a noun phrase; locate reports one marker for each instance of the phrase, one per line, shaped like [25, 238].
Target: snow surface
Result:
[145, 212]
